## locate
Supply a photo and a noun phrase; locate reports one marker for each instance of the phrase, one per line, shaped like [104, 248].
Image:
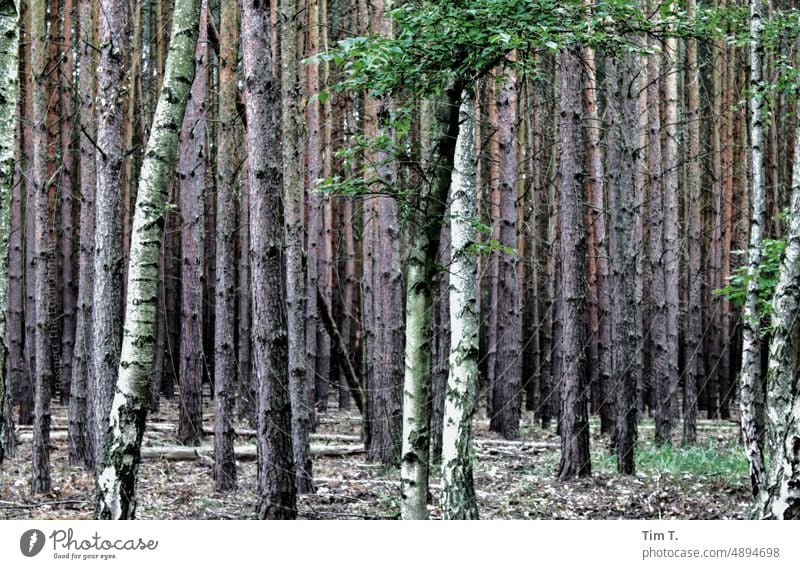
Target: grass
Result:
[723, 462]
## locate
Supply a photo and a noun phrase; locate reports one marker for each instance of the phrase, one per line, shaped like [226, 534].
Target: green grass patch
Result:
[722, 462]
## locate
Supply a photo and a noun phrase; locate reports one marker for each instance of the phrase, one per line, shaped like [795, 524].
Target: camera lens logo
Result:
[31, 543]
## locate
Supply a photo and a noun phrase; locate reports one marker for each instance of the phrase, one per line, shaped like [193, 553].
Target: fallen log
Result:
[244, 452]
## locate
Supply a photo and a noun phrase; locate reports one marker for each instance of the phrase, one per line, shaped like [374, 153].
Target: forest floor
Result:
[513, 479]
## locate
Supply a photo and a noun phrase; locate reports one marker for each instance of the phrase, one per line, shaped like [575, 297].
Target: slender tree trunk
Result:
[601, 325]
[507, 388]
[81, 429]
[458, 493]
[574, 413]
[247, 387]
[68, 178]
[670, 264]
[225, 322]
[276, 472]
[192, 175]
[43, 256]
[122, 453]
[107, 323]
[693, 351]
[293, 227]
[9, 85]
[751, 350]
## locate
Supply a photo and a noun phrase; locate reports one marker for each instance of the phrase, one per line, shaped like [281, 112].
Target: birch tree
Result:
[779, 489]
[751, 352]
[458, 494]
[9, 45]
[122, 451]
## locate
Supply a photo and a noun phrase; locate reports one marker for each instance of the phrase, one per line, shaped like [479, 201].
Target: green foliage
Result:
[767, 278]
[704, 461]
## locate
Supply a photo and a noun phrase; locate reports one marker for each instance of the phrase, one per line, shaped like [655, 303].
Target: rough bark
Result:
[458, 493]
[81, 447]
[43, 256]
[575, 460]
[225, 321]
[751, 324]
[107, 319]
[192, 176]
[277, 495]
[694, 368]
[507, 387]
[293, 228]
[122, 453]
[670, 230]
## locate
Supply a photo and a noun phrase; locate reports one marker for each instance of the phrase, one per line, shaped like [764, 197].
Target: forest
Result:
[453, 259]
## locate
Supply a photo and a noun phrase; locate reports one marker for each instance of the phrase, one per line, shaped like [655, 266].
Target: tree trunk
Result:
[751, 350]
[43, 255]
[421, 269]
[81, 437]
[458, 493]
[9, 64]
[293, 227]
[276, 473]
[225, 321]
[694, 368]
[507, 388]
[778, 490]
[192, 175]
[107, 322]
[575, 460]
[122, 453]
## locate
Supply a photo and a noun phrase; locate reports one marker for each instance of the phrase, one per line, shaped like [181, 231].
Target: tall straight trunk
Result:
[507, 388]
[383, 292]
[122, 452]
[277, 494]
[693, 336]
[291, 151]
[26, 396]
[68, 179]
[192, 175]
[657, 290]
[778, 490]
[623, 143]
[9, 84]
[670, 263]
[458, 493]
[315, 384]
[600, 330]
[81, 429]
[43, 255]
[575, 461]
[421, 269]
[714, 353]
[107, 320]
[751, 349]
[225, 321]
[54, 123]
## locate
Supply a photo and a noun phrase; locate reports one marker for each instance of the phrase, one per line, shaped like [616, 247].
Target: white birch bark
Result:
[458, 493]
[751, 353]
[9, 39]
